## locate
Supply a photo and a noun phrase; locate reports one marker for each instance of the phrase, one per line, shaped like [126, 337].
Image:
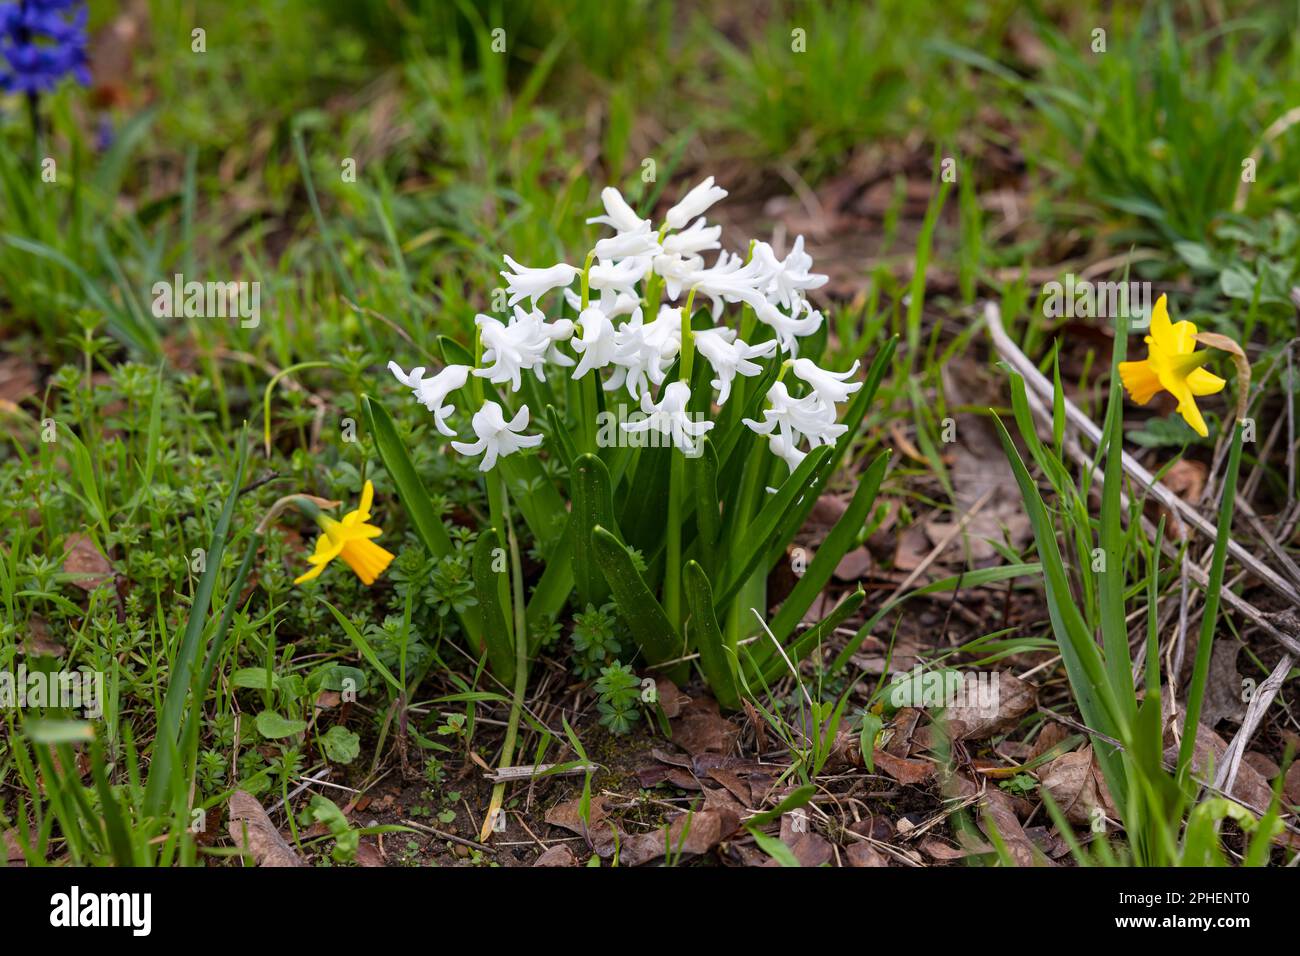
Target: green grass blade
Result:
[841, 538]
[182, 670]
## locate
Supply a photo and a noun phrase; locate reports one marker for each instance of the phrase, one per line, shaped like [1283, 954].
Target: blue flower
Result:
[41, 42]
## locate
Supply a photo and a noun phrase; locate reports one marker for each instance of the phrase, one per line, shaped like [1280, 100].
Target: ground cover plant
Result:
[540, 434]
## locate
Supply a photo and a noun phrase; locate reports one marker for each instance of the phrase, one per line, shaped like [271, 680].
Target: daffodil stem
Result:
[521, 653]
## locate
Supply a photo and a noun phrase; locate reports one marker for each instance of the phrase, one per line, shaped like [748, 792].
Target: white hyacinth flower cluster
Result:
[627, 275]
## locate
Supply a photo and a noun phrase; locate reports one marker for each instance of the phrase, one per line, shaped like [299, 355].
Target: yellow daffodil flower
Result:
[349, 539]
[1172, 365]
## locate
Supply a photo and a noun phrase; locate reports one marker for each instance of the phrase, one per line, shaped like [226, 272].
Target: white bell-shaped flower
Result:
[619, 278]
[527, 283]
[496, 436]
[678, 272]
[729, 356]
[628, 244]
[527, 342]
[787, 451]
[731, 279]
[645, 350]
[613, 304]
[597, 343]
[808, 417]
[788, 328]
[694, 203]
[618, 214]
[790, 278]
[691, 242]
[830, 387]
[669, 417]
[432, 392]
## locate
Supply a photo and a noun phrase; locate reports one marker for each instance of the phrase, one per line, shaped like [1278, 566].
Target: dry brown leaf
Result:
[863, 854]
[938, 850]
[17, 379]
[997, 812]
[757, 722]
[1075, 782]
[854, 565]
[809, 847]
[369, 854]
[1291, 785]
[827, 511]
[1012, 699]
[13, 850]
[568, 815]
[558, 855]
[737, 787]
[255, 834]
[700, 728]
[910, 549]
[38, 642]
[671, 698]
[1264, 765]
[707, 828]
[88, 567]
[1051, 735]
[1186, 479]
[908, 772]
[903, 728]
[1223, 688]
[327, 700]
[1250, 788]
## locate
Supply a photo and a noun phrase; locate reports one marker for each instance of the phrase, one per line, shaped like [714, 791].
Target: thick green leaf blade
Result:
[642, 519]
[488, 582]
[427, 523]
[644, 616]
[1114, 627]
[702, 474]
[593, 506]
[717, 658]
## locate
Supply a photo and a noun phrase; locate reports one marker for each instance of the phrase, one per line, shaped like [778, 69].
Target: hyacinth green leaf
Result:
[702, 474]
[593, 506]
[644, 616]
[717, 658]
[410, 491]
[489, 580]
[553, 589]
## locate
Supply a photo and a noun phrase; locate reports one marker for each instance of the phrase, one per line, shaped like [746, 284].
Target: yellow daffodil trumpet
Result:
[349, 538]
[1172, 365]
